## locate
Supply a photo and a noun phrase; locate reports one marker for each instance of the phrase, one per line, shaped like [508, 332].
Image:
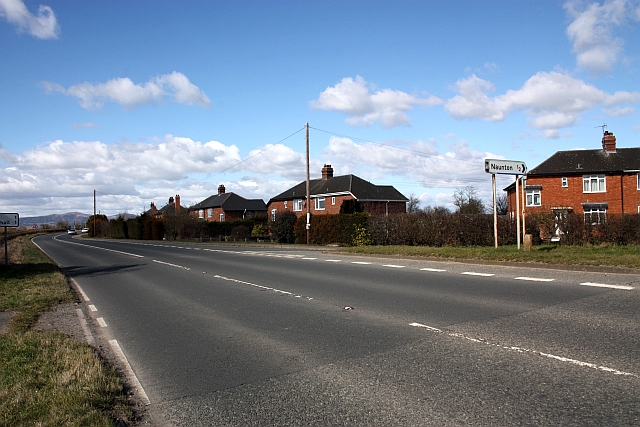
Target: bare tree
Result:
[502, 204]
[413, 205]
[467, 201]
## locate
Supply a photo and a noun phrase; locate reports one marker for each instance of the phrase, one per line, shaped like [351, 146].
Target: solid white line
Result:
[393, 266]
[98, 247]
[92, 307]
[432, 269]
[129, 372]
[101, 322]
[526, 350]
[472, 273]
[171, 265]
[361, 262]
[534, 279]
[80, 291]
[602, 285]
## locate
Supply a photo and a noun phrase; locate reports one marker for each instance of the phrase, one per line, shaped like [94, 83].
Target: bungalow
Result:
[329, 192]
[585, 182]
[227, 207]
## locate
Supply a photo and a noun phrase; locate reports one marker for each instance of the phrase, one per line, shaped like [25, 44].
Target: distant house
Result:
[227, 207]
[172, 208]
[329, 192]
[592, 183]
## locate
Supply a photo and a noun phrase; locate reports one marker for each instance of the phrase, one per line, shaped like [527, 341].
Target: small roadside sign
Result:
[507, 167]
[9, 220]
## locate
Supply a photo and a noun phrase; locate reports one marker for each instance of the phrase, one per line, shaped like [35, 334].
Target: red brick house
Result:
[227, 207]
[592, 183]
[328, 192]
[170, 209]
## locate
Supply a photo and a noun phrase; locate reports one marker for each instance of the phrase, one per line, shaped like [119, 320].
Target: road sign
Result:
[9, 220]
[507, 167]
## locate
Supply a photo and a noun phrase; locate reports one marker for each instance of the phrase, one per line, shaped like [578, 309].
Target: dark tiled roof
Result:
[361, 189]
[578, 162]
[230, 202]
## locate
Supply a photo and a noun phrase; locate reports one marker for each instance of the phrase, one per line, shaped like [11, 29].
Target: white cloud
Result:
[43, 25]
[364, 107]
[591, 32]
[619, 111]
[124, 92]
[550, 100]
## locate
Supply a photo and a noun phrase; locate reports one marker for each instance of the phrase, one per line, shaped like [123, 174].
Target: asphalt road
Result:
[253, 336]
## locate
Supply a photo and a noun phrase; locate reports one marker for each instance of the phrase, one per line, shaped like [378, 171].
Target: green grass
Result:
[47, 378]
[605, 255]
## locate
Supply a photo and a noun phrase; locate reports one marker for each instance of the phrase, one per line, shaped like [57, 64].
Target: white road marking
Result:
[98, 247]
[534, 279]
[133, 379]
[602, 285]
[526, 350]
[80, 291]
[473, 273]
[309, 258]
[361, 262]
[92, 307]
[101, 322]
[432, 269]
[85, 328]
[266, 288]
[393, 265]
[333, 260]
[171, 265]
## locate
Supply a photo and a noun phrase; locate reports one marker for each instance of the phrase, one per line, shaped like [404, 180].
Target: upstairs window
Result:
[209, 212]
[297, 205]
[639, 181]
[273, 214]
[533, 198]
[333, 200]
[285, 204]
[319, 203]
[221, 217]
[593, 184]
[201, 213]
[565, 181]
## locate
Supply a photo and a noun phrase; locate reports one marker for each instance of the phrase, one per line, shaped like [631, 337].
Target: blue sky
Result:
[144, 100]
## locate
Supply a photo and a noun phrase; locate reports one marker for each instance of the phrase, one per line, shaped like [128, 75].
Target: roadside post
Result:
[505, 167]
[8, 220]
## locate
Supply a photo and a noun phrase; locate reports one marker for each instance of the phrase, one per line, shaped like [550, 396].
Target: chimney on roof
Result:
[609, 142]
[153, 208]
[170, 200]
[221, 189]
[327, 172]
[177, 207]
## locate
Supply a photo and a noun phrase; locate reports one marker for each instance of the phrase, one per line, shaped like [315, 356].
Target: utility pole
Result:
[308, 225]
[94, 213]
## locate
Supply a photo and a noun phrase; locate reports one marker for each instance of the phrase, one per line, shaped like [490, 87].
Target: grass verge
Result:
[47, 378]
[605, 255]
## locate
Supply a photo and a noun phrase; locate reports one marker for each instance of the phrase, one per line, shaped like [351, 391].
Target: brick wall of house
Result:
[619, 189]
[375, 208]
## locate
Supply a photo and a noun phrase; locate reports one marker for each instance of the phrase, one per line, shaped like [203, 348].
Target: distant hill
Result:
[70, 218]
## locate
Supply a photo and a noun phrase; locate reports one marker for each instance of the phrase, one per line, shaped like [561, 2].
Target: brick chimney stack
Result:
[609, 142]
[177, 207]
[153, 208]
[327, 172]
[221, 189]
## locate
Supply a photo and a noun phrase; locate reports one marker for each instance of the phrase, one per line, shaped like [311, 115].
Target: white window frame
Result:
[532, 200]
[333, 201]
[209, 212]
[565, 182]
[274, 212]
[201, 213]
[589, 181]
[222, 217]
[285, 204]
[297, 205]
[638, 181]
[600, 215]
[319, 203]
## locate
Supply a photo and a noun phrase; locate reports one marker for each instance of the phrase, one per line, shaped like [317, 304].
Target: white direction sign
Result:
[9, 220]
[508, 167]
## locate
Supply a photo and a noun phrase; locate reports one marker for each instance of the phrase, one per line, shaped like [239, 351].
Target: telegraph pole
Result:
[308, 225]
[94, 213]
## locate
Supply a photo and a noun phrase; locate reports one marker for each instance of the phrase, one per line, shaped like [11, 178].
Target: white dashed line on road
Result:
[602, 285]
[393, 266]
[534, 279]
[361, 262]
[92, 307]
[101, 322]
[473, 273]
[333, 260]
[435, 270]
